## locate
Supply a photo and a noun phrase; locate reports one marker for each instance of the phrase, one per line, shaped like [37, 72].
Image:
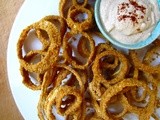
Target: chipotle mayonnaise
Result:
[129, 21]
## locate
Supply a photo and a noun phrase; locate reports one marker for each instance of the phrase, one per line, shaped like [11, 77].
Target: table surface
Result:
[8, 12]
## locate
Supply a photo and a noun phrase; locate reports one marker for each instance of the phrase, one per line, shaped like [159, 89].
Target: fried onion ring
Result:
[112, 91]
[53, 50]
[58, 21]
[64, 6]
[26, 75]
[73, 100]
[119, 74]
[141, 65]
[79, 25]
[72, 59]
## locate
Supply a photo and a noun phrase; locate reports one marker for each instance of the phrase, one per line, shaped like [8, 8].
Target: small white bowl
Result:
[154, 35]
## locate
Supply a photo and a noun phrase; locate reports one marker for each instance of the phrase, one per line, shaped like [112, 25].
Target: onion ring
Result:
[142, 112]
[64, 6]
[141, 65]
[70, 58]
[25, 74]
[52, 53]
[83, 48]
[73, 104]
[58, 21]
[79, 25]
[121, 73]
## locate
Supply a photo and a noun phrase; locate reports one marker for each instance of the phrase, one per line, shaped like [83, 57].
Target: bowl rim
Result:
[154, 34]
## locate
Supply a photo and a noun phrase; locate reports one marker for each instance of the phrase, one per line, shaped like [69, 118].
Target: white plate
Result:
[31, 11]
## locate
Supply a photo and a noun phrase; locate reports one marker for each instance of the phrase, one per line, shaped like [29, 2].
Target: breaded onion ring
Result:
[73, 100]
[64, 6]
[83, 47]
[78, 81]
[141, 65]
[58, 21]
[72, 59]
[55, 98]
[123, 68]
[145, 112]
[26, 75]
[53, 50]
[75, 23]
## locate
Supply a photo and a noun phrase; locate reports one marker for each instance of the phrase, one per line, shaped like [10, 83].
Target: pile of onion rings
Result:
[81, 79]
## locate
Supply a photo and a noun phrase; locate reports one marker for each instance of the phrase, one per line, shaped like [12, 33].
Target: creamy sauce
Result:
[129, 21]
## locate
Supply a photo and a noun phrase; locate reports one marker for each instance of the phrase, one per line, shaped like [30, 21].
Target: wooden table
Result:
[8, 11]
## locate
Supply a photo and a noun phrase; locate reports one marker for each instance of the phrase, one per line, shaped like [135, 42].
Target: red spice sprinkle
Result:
[132, 15]
[133, 18]
[138, 7]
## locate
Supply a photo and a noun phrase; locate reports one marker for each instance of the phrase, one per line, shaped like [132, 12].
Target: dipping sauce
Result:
[129, 21]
